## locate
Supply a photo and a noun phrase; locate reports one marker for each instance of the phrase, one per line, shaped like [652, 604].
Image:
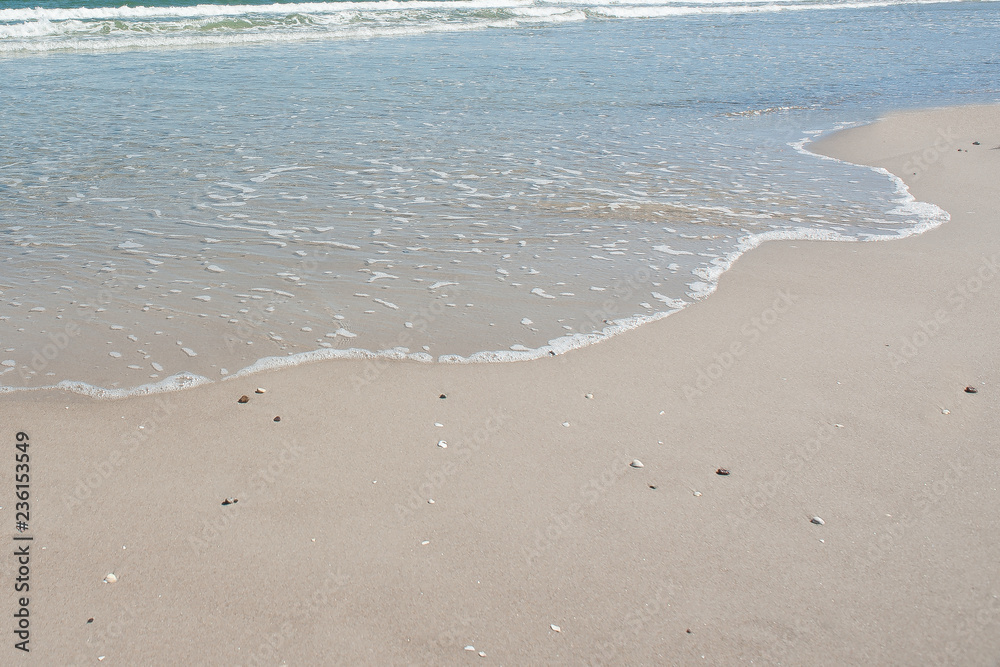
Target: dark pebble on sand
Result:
[442, 396]
[975, 143]
[971, 390]
[721, 471]
[277, 419]
[244, 399]
[653, 487]
[230, 501]
[90, 620]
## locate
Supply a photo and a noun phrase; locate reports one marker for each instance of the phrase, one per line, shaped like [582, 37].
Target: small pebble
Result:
[442, 444]
[230, 501]
[636, 463]
[722, 471]
[425, 542]
[945, 411]
[442, 396]
[566, 424]
[110, 579]
[482, 654]
[259, 390]
[555, 628]
[430, 501]
[653, 486]
[971, 390]
[90, 620]
[470, 648]
[277, 419]
[244, 399]
[439, 424]
[818, 521]
[588, 395]
[697, 493]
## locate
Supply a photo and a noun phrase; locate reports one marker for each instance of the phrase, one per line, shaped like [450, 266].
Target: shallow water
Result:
[495, 178]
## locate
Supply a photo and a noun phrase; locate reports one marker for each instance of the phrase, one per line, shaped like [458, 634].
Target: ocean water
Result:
[190, 190]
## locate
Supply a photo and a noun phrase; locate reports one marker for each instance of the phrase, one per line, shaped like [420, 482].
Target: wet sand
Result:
[829, 379]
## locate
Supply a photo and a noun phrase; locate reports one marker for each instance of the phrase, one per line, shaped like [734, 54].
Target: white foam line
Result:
[189, 40]
[272, 363]
[208, 11]
[172, 383]
[929, 216]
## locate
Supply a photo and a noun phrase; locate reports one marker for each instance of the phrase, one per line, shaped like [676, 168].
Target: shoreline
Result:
[827, 378]
[930, 216]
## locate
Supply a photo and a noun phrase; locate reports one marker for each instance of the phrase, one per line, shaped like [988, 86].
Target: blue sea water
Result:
[198, 186]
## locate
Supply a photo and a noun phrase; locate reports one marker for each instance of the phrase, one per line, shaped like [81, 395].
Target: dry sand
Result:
[334, 555]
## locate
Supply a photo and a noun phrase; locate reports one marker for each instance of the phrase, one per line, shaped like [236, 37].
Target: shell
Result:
[111, 578]
[636, 463]
[259, 390]
[442, 444]
[722, 471]
[244, 399]
[555, 628]
[818, 521]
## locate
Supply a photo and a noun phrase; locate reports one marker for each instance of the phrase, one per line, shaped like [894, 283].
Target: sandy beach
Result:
[828, 379]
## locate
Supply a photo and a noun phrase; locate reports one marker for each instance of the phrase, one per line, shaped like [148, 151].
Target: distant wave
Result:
[27, 30]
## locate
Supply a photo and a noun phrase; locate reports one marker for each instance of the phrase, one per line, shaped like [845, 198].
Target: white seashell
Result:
[430, 501]
[260, 390]
[636, 463]
[697, 493]
[818, 521]
[566, 424]
[945, 412]
[442, 444]
[110, 579]
[555, 628]
[470, 648]
[482, 654]
[588, 395]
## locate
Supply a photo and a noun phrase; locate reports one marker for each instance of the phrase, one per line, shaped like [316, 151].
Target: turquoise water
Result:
[435, 178]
